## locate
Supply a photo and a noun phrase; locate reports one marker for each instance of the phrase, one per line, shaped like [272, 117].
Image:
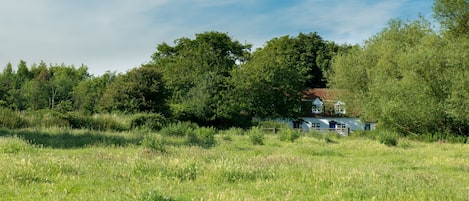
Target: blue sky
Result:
[117, 35]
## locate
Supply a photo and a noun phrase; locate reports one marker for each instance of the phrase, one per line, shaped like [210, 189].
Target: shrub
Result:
[97, 122]
[272, 124]
[12, 145]
[150, 121]
[289, 135]
[202, 136]
[47, 119]
[11, 119]
[388, 138]
[179, 129]
[154, 143]
[256, 136]
[233, 131]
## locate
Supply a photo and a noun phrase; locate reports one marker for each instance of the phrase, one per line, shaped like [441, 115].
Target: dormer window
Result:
[317, 106]
[339, 107]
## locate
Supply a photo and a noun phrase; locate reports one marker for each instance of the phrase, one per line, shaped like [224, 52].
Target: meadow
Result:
[79, 164]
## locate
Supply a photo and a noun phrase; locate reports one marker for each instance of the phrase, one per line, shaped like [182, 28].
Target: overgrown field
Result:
[62, 164]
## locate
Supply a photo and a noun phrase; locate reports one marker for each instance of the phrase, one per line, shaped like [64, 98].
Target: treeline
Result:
[211, 80]
[411, 78]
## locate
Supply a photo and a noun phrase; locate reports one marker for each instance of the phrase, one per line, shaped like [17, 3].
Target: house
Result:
[322, 110]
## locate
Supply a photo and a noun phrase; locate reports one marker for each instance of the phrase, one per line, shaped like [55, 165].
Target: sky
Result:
[118, 35]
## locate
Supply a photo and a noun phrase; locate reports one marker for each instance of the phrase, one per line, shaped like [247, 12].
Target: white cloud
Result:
[118, 35]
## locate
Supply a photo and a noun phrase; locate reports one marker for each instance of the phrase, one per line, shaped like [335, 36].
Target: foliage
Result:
[388, 138]
[96, 122]
[154, 143]
[408, 79]
[256, 136]
[11, 119]
[14, 145]
[178, 129]
[139, 90]
[289, 135]
[86, 94]
[453, 16]
[195, 70]
[202, 136]
[151, 121]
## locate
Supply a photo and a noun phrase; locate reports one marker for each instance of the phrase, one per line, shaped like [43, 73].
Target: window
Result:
[315, 125]
[339, 107]
[316, 108]
[340, 126]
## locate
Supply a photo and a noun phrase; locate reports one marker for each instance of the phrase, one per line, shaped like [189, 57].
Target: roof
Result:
[324, 94]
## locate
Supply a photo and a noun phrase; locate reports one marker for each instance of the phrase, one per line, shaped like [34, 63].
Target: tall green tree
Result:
[139, 90]
[6, 84]
[62, 82]
[269, 85]
[196, 70]
[453, 16]
[87, 94]
[408, 78]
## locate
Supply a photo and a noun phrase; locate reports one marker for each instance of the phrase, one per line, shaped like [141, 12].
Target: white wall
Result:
[350, 122]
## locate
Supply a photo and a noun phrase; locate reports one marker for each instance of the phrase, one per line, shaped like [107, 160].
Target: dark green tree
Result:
[196, 70]
[269, 85]
[87, 93]
[139, 90]
[453, 16]
[408, 78]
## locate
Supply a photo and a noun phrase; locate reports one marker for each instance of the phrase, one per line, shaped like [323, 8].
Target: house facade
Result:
[322, 110]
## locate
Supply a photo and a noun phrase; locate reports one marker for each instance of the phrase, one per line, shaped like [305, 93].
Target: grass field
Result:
[60, 164]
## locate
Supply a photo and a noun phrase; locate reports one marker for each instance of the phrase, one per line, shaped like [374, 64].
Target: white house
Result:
[321, 110]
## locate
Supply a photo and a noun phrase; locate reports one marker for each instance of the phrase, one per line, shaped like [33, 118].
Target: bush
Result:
[13, 145]
[179, 129]
[202, 136]
[11, 119]
[154, 143]
[150, 121]
[272, 124]
[289, 135]
[256, 136]
[388, 138]
[97, 122]
[233, 131]
[47, 119]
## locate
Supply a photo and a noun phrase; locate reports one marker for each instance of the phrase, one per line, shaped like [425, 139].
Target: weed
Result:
[179, 129]
[289, 135]
[11, 119]
[13, 145]
[154, 143]
[388, 138]
[256, 136]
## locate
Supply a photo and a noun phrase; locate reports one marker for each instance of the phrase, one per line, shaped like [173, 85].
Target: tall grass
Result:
[11, 119]
[353, 168]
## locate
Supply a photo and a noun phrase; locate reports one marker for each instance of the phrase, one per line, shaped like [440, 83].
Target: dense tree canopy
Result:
[408, 78]
[195, 71]
[139, 90]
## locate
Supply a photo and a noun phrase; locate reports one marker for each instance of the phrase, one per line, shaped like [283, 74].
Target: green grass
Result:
[84, 165]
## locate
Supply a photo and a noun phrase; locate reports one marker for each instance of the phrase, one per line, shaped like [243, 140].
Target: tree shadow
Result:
[67, 140]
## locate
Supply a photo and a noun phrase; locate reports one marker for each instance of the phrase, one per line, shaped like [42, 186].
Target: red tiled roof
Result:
[323, 93]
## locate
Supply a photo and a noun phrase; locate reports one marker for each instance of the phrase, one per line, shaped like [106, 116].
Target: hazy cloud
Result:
[117, 35]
